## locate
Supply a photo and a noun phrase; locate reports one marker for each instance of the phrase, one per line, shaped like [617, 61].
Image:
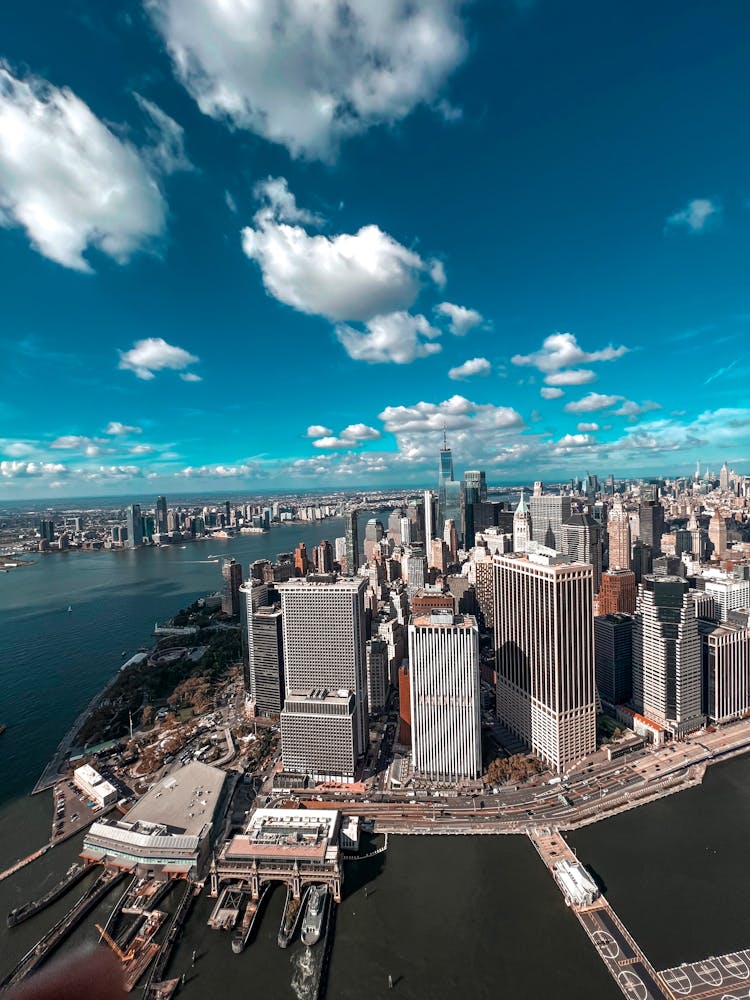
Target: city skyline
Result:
[559, 283]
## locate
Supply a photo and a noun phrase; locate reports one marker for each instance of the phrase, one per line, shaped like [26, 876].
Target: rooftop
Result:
[295, 833]
[182, 802]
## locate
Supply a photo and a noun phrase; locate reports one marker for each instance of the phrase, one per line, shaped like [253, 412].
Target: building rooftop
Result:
[183, 802]
[304, 834]
[443, 618]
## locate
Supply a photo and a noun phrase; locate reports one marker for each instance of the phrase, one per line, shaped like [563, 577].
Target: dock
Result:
[156, 985]
[724, 978]
[290, 917]
[63, 928]
[74, 875]
[23, 862]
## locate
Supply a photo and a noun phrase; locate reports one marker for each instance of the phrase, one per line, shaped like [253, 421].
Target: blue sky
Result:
[247, 245]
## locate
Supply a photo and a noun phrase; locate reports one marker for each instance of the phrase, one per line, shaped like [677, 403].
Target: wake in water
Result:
[306, 965]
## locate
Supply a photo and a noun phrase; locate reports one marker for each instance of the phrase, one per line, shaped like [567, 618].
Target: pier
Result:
[63, 928]
[23, 862]
[156, 987]
[26, 910]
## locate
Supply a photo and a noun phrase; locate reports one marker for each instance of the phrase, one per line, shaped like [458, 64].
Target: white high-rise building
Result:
[444, 693]
[429, 527]
[253, 595]
[667, 671]
[522, 532]
[618, 529]
[729, 594]
[726, 668]
[324, 641]
[544, 628]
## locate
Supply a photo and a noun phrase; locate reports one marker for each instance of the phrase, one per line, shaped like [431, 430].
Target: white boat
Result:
[312, 923]
[69, 609]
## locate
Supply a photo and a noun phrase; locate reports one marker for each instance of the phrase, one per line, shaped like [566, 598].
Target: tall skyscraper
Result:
[667, 655]
[545, 655]
[717, 535]
[161, 515]
[351, 531]
[268, 661]
[549, 512]
[376, 652]
[449, 492]
[618, 529]
[253, 594]
[724, 478]
[521, 525]
[726, 669]
[429, 520]
[231, 572]
[445, 706]
[613, 645]
[324, 641]
[651, 516]
[582, 542]
[475, 492]
[134, 523]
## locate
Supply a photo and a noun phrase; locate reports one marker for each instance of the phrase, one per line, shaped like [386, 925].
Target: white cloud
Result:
[318, 430]
[190, 377]
[456, 413]
[279, 204]
[332, 442]
[154, 354]
[586, 427]
[241, 471]
[167, 153]
[68, 180]
[633, 410]
[474, 366]
[343, 277]
[572, 441]
[22, 470]
[547, 393]
[351, 436]
[142, 449]
[461, 319]
[17, 449]
[696, 215]
[360, 432]
[575, 376]
[116, 428]
[591, 403]
[398, 337]
[561, 350]
[308, 74]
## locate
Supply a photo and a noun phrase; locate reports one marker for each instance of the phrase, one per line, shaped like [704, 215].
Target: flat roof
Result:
[184, 801]
[443, 619]
[306, 834]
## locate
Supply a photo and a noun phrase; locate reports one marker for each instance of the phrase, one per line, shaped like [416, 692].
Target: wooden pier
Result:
[23, 862]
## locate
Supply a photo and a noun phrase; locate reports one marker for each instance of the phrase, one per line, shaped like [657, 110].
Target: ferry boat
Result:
[312, 923]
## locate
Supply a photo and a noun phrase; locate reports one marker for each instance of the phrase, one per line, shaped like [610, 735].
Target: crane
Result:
[124, 956]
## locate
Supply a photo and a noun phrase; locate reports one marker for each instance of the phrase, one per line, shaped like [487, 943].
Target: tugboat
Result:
[314, 913]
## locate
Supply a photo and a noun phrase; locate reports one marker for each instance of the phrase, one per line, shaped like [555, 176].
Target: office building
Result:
[618, 530]
[429, 520]
[404, 706]
[726, 670]
[582, 542]
[351, 532]
[667, 655]
[618, 592]
[613, 657]
[253, 595]
[548, 514]
[415, 571]
[323, 557]
[324, 640]
[522, 530]
[268, 661]
[231, 572]
[374, 532]
[161, 516]
[450, 500]
[717, 536]
[319, 734]
[651, 521]
[376, 653]
[445, 706]
[545, 655]
[729, 594]
[475, 492]
[134, 525]
[94, 787]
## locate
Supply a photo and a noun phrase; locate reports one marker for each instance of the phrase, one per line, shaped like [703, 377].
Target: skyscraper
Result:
[613, 645]
[618, 529]
[161, 515]
[549, 512]
[253, 594]
[651, 516]
[521, 525]
[545, 655]
[475, 492]
[445, 707]
[724, 478]
[376, 652]
[582, 542]
[717, 535]
[351, 531]
[449, 492]
[429, 520]
[618, 592]
[231, 572]
[726, 669]
[268, 661]
[134, 523]
[667, 655]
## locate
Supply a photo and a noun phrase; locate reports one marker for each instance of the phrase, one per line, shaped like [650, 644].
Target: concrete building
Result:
[582, 542]
[522, 530]
[729, 594]
[404, 706]
[94, 787]
[168, 831]
[351, 532]
[651, 524]
[726, 670]
[545, 655]
[548, 514]
[618, 531]
[444, 694]
[319, 734]
[667, 655]
[376, 652]
[613, 656]
[134, 525]
[475, 492]
[717, 535]
[253, 595]
[161, 516]
[268, 661]
[231, 572]
[618, 592]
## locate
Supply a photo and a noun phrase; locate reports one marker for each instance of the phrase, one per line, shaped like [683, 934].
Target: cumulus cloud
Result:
[561, 350]
[308, 75]
[351, 277]
[547, 393]
[474, 366]
[633, 410]
[116, 428]
[360, 432]
[351, 436]
[456, 413]
[571, 441]
[460, 319]
[591, 403]
[67, 180]
[586, 427]
[318, 430]
[154, 354]
[32, 470]
[239, 471]
[397, 337]
[695, 216]
[575, 376]
[90, 447]
[190, 377]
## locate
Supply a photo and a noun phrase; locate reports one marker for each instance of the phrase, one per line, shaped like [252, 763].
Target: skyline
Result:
[527, 228]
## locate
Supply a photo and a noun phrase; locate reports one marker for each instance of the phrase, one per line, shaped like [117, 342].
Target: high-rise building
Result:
[475, 492]
[373, 534]
[613, 648]
[323, 557]
[729, 594]
[485, 588]
[549, 512]
[651, 516]
[161, 515]
[726, 670]
[618, 592]
[319, 734]
[324, 640]
[717, 535]
[376, 652]
[667, 655]
[134, 524]
[450, 537]
[268, 661]
[301, 561]
[521, 525]
[351, 531]
[449, 492]
[618, 529]
[724, 478]
[582, 542]
[545, 655]
[429, 520]
[253, 594]
[415, 570]
[445, 706]
[231, 572]
[404, 706]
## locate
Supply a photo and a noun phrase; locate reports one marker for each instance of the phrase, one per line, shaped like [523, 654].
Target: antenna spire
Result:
[445, 439]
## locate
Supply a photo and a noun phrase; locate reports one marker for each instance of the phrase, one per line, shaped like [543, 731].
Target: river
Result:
[442, 915]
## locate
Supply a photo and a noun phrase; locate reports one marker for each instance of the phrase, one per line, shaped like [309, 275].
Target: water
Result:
[443, 916]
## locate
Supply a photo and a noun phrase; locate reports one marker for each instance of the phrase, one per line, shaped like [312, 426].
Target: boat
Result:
[3, 727]
[69, 609]
[312, 923]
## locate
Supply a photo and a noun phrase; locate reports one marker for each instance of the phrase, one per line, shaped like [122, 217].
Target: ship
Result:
[3, 727]
[312, 923]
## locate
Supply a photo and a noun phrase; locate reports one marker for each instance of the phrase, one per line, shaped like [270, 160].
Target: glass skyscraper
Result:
[449, 493]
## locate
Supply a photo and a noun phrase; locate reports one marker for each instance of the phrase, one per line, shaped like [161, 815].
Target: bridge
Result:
[254, 874]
